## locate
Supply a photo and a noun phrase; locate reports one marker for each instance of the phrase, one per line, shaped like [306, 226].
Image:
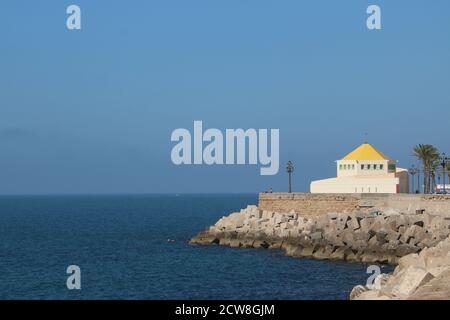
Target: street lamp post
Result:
[413, 172]
[444, 161]
[290, 169]
[418, 180]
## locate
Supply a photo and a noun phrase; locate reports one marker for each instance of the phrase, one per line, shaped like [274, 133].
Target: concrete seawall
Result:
[356, 228]
[307, 204]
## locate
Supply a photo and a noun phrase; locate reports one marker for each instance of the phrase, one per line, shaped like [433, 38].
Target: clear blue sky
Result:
[91, 111]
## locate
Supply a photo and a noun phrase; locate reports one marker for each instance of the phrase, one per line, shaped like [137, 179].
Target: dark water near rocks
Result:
[121, 245]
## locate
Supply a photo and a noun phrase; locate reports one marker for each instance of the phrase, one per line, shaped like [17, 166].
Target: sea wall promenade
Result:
[355, 228]
[307, 204]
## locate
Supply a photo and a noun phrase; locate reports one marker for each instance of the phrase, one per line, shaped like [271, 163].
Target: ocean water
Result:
[121, 245]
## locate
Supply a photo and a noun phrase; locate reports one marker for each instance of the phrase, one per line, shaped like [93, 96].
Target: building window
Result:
[381, 167]
[391, 167]
[345, 167]
[374, 167]
[353, 167]
[362, 167]
[340, 167]
[368, 167]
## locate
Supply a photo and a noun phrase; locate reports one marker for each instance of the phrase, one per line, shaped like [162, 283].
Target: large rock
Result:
[353, 223]
[361, 235]
[357, 291]
[367, 223]
[436, 289]
[424, 275]
[407, 281]
[433, 261]
[348, 237]
[404, 249]
[411, 260]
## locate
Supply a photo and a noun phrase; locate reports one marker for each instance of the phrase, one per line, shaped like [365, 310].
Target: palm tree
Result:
[427, 154]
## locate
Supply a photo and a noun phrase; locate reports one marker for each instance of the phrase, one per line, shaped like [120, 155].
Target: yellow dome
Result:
[365, 152]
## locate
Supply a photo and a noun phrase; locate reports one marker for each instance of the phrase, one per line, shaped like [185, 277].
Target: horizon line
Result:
[126, 193]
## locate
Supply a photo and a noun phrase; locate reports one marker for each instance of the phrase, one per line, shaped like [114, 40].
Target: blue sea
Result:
[121, 244]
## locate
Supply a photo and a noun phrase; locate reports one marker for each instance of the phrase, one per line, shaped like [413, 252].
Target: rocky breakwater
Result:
[422, 276]
[364, 236]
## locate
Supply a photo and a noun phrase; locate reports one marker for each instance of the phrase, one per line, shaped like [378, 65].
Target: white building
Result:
[440, 188]
[365, 170]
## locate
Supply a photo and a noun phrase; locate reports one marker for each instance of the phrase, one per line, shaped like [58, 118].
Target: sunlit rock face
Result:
[365, 236]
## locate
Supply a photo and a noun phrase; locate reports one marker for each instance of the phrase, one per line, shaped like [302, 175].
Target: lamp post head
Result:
[444, 160]
[290, 167]
[412, 170]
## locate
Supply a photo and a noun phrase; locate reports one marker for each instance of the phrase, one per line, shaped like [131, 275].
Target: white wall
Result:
[403, 176]
[355, 185]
